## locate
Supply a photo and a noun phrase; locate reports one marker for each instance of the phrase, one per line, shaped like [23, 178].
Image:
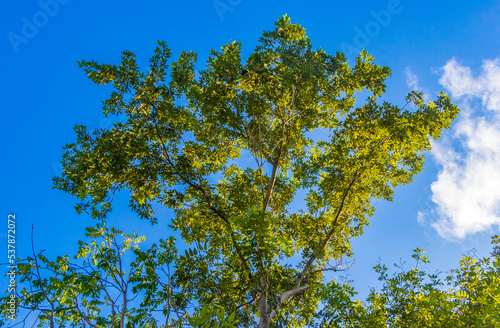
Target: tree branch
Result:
[314, 256]
[40, 281]
[284, 296]
[339, 213]
[207, 199]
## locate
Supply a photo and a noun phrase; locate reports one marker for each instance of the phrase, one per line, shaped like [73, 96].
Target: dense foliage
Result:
[468, 296]
[252, 258]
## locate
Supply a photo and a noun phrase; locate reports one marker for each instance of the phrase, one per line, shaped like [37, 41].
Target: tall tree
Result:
[252, 252]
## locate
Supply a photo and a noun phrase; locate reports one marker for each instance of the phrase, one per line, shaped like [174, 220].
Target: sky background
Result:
[451, 207]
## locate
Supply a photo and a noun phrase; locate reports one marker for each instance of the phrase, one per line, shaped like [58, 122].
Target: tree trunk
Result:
[264, 317]
[264, 322]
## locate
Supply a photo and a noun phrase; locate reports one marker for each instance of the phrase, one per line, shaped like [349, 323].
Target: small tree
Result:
[468, 296]
[186, 130]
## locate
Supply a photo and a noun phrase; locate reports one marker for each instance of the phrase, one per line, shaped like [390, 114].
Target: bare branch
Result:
[39, 278]
[284, 296]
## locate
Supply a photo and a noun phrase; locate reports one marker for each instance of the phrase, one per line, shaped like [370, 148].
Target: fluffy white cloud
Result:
[467, 190]
[461, 83]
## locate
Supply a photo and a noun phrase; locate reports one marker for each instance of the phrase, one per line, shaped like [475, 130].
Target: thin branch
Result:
[336, 268]
[339, 213]
[314, 256]
[206, 197]
[178, 322]
[83, 315]
[39, 278]
[246, 303]
[284, 296]
[55, 310]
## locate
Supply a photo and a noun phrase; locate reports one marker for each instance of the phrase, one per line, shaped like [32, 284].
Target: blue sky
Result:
[454, 46]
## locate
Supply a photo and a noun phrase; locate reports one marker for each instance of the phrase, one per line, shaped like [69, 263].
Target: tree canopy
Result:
[253, 259]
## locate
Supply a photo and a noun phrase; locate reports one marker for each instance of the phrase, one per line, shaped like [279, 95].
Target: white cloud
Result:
[460, 82]
[421, 218]
[411, 79]
[413, 83]
[467, 190]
